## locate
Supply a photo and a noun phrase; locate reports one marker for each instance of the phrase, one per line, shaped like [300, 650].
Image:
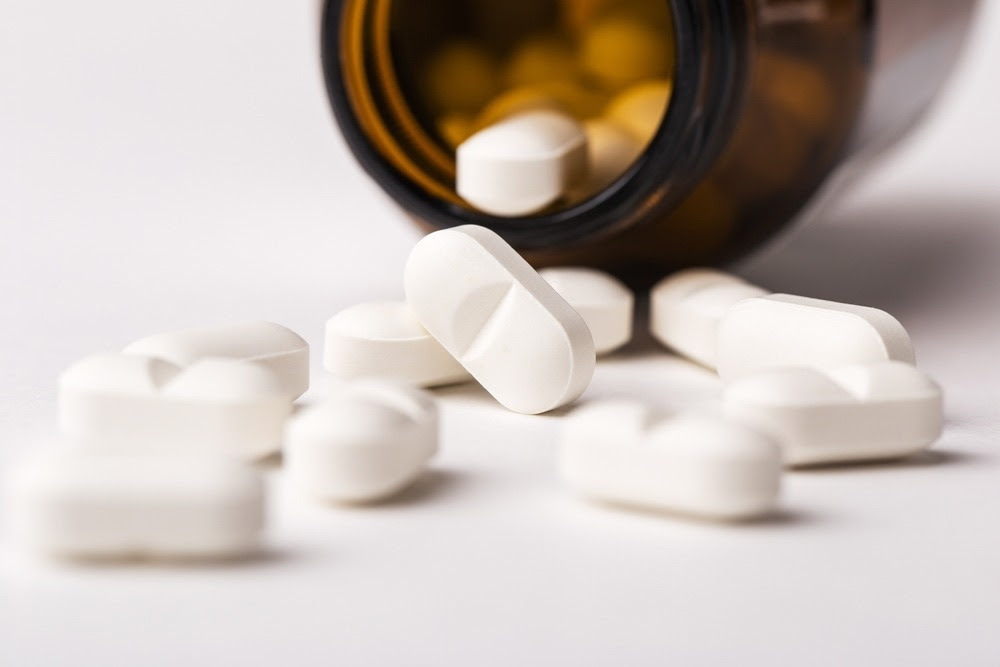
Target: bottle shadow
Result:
[906, 257]
[433, 485]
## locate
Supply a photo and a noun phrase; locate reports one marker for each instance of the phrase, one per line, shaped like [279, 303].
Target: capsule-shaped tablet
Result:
[125, 404]
[384, 340]
[623, 452]
[783, 330]
[523, 164]
[75, 506]
[500, 319]
[640, 109]
[368, 442]
[603, 301]
[686, 308]
[856, 413]
[271, 345]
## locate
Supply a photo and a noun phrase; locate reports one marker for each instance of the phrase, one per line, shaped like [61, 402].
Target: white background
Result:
[166, 164]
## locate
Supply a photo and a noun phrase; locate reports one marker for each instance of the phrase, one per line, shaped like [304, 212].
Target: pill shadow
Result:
[473, 394]
[642, 343]
[264, 557]
[904, 257]
[778, 518]
[433, 485]
[467, 392]
[928, 459]
[273, 461]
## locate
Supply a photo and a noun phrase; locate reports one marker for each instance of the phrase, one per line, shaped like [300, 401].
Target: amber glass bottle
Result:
[768, 99]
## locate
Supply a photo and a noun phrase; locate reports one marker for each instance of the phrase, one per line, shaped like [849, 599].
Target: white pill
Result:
[118, 403]
[854, 413]
[364, 444]
[782, 330]
[686, 308]
[603, 302]
[624, 453]
[112, 507]
[523, 164]
[500, 319]
[385, 340]
[266, 343]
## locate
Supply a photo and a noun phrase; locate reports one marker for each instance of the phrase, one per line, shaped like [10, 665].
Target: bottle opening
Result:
[424, 75]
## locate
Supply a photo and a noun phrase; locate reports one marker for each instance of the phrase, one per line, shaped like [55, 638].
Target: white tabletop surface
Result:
[166, 164]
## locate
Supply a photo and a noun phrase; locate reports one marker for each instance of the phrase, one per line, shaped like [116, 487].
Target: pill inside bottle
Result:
[462, 68]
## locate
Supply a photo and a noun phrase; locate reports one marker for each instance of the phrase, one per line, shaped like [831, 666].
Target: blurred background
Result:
[165, 164]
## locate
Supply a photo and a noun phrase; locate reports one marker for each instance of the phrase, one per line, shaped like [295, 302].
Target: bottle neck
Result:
[712, 46]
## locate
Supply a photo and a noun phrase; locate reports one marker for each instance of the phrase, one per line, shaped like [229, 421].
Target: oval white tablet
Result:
[783, 330]
[686, 308]
[271, 345]
[385, 340]
[500, 319]
[366, 443]
[624, 453]
[603, 301]
[113, 507]
[128, 404]
[857, 413]
[522, 164]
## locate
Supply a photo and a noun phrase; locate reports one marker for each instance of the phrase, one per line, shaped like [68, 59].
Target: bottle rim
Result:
[711, 42]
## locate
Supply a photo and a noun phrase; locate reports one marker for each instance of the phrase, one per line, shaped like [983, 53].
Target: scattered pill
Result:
[625, 453]
[686, 308]
[500, 319]
[271, 345]
[523, 164]
[461, 77]
[857, 413]
[125, 404]
[782, 330]
[641, 108]
[367, 443]
[95, 507]
[385, 340]
[603, 302]
[620, 49]
[611, 150]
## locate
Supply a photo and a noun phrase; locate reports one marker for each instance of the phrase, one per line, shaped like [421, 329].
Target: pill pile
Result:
[162, 438]
[559, 114]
